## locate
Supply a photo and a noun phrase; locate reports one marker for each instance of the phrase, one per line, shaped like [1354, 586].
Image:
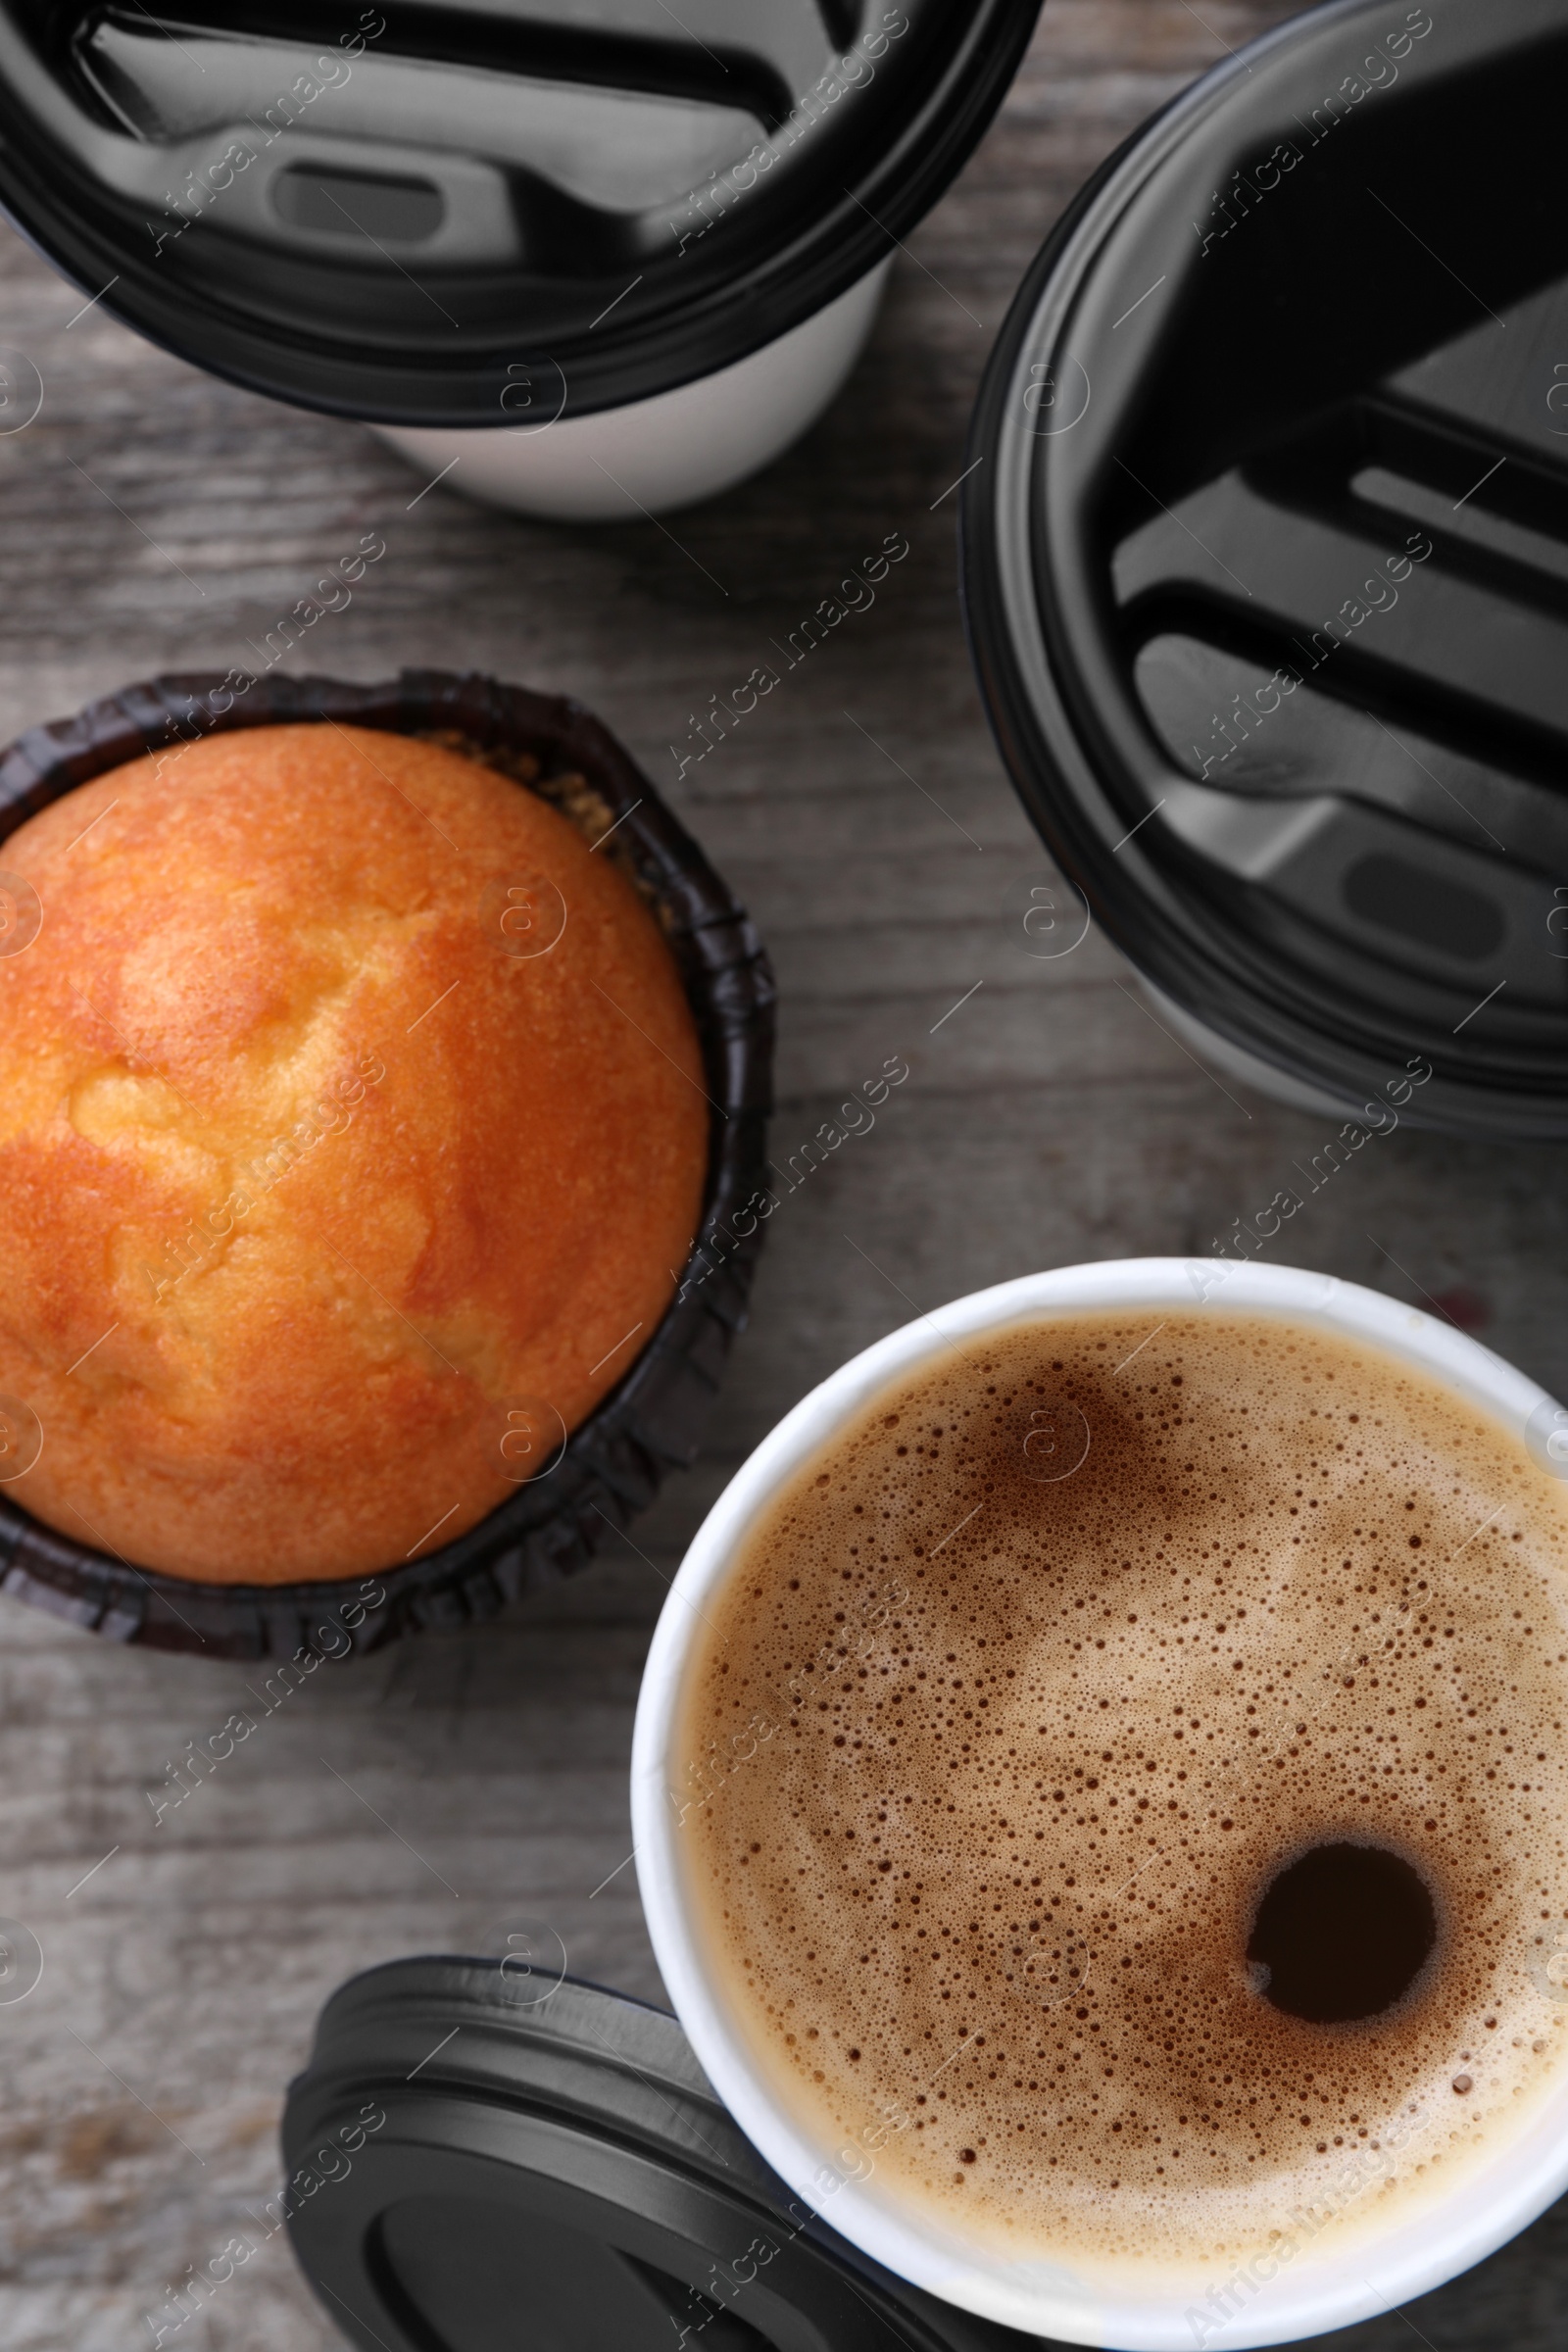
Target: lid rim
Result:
[666, 2176]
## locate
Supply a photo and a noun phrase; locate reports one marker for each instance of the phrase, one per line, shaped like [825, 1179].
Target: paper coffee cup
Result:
[1270, 2300]
[585, 262]
[652, 456]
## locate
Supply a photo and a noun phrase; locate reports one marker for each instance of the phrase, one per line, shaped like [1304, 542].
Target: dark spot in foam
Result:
[1344, 1932]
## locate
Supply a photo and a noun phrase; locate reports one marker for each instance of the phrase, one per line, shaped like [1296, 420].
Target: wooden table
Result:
[153, 518]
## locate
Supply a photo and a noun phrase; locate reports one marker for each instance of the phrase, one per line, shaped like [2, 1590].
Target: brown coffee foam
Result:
[980, 1808]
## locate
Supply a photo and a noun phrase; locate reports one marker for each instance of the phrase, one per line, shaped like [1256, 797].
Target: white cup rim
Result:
[1446, 2236]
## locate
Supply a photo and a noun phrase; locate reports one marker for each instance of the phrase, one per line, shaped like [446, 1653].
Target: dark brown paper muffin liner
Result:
[615, 1460]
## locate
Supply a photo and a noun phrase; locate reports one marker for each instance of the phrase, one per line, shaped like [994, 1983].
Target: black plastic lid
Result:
[1266, 561]
[484, 2154]
[381, 212]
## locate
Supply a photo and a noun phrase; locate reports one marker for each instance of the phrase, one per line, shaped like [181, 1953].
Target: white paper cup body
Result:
[1310, 2294]
[656, 454]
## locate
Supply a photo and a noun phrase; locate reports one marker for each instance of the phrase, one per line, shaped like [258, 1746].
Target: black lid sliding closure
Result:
[482, 2155]
[1266, 565]
[379, 211]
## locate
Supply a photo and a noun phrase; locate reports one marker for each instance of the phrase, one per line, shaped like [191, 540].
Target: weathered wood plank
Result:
[153, 518]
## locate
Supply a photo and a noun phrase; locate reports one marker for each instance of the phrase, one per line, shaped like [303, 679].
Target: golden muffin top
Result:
[351, 1134]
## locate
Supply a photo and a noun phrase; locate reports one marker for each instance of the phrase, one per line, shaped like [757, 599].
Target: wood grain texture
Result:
[152, 517]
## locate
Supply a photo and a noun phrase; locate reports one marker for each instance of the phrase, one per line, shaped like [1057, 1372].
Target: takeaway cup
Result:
[586, 262]
[1272, 2300]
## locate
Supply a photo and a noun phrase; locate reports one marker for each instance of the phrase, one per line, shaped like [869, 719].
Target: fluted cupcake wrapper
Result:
[615, 1460]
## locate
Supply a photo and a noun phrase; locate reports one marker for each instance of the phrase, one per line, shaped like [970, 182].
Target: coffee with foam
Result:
[1128, 1792]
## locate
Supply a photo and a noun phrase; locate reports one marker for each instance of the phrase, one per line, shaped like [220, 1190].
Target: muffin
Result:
[353, 1132]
